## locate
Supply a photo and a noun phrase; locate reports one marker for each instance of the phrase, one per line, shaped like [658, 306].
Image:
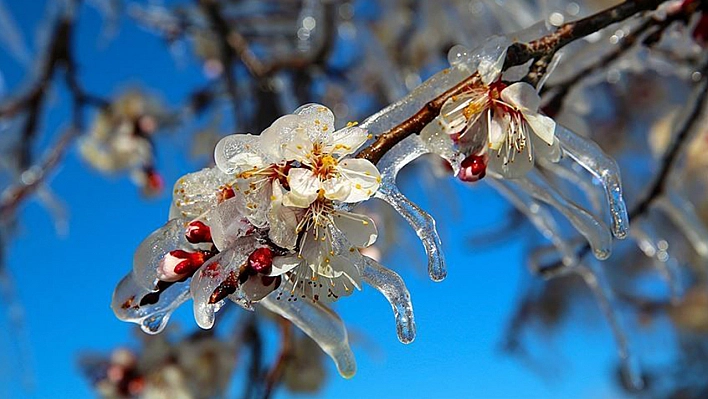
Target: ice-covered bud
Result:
[473, 168]
[261, 260]
[198, 232]
[178, 263]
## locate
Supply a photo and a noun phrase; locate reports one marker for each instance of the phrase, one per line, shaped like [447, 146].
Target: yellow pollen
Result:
[358, 186]
[365, 223]
[272, 197]
[352, 123]
[369, 136]
[472, 109]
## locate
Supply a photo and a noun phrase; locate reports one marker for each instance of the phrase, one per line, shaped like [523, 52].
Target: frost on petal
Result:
[589, 155]
[594, 231]
[359, 230]
[543, 126]
[346, 141]
[150, 310]
[391, 285]
[321, 324]
[238, 152]
[222, 267]
[317, 120]
[150, 252]
[252, 199]
[361, 176]
[521, 96]
[283, 220]
[441, 144]
[491, 58]
[304, 187]
[196, 193]
[275, 138]
[256, 287]
[227, 223]
[544, 152]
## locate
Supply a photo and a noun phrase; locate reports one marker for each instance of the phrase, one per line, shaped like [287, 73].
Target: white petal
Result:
[452, 119]
[304, 187]
[238, 152]
[336, 188]
[276, 137]
[501, 163]
[522, 96]
[283, 220]
[543, 126]
[492, 59]
[358, 229]
[497, 131]
[362, 177]
[255, 288]
[346, 141]
[299, 147]
[196, 193]
[284, 264]
[317, 120]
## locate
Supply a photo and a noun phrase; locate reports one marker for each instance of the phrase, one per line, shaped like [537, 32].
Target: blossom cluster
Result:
[273, 217]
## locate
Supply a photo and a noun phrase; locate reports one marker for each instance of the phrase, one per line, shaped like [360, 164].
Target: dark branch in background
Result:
[286, 352]
[559, 91]
[517, 54]
[59, 57]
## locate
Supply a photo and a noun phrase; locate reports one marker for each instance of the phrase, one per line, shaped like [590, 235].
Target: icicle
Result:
[593, 230]
[653, 246]
[423, 224]
[539, 216]
[571, 175]
[152, 317]
[322, 325]
[595, 279]
[683, 214]
[591, 157]
[390, 284]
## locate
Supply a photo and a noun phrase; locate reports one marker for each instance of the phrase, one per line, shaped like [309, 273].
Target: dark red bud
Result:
[700, 32]
[261, 260]
[473, 168]
[198, 232]
[191, 261]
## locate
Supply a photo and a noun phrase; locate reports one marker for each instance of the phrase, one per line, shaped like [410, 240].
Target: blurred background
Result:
[105, 103]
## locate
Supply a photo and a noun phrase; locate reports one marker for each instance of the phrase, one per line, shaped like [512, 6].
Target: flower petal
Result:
[238, 152]
[522, 96]
[359, 230]
[498, 126]
[346, 141]
[318, 121]
[304, 187]
[543, 126]
[150, 252]
[284, 264]
[196, 193]
[283, 220]
[362, 177]
[275, 138]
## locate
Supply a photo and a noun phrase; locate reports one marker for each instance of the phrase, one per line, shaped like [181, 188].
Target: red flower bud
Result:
[474, 168]
[198, 232]
[261, 260]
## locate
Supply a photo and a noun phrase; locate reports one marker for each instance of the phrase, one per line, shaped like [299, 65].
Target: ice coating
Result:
[391, 285]
[683, 214]
[196, 193]
[650, 242]
[322, 325]
[152, 318]
[424, 225]
[595, 279]
[591, 157]
[150, 252]
[206, 280]
[538, 215]
[568, 173]
[594, 231]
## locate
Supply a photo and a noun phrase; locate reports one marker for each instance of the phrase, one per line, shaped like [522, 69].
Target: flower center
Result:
[325, 167]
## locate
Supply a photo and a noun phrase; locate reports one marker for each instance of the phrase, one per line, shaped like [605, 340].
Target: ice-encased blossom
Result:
[251, 226]
[496, 123]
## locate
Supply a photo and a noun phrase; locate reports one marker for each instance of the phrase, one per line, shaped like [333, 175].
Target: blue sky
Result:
[64, 282]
